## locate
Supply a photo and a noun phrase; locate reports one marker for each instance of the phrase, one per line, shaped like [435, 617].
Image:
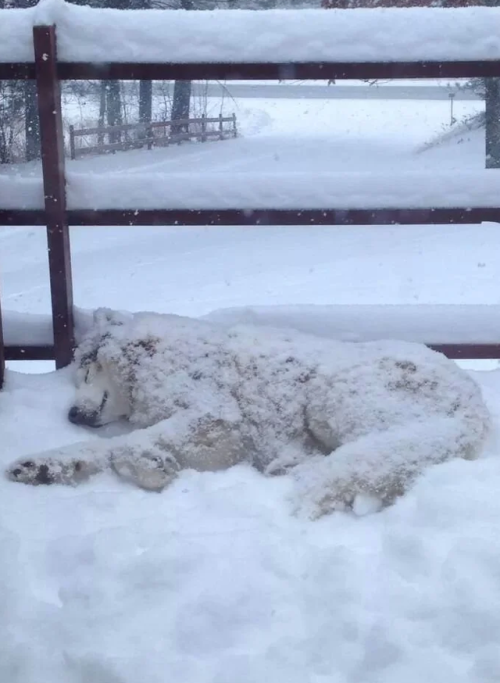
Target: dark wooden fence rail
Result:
[144, 134]
[48, 72]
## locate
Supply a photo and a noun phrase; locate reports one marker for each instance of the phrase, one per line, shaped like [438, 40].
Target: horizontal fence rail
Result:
[249, 72]
[47, 71]
[46, 352]
[332, 218]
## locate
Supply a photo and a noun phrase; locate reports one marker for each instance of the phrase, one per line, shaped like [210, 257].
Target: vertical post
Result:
[150, 135]
[203, 128]
[235, 130]
[52, 142]
[2, 352]
[221, 130]
[72, 142]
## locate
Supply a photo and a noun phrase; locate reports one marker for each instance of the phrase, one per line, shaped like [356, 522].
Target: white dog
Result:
[345, 418]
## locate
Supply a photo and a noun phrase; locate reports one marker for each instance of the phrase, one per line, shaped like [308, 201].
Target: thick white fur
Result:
[345, 419]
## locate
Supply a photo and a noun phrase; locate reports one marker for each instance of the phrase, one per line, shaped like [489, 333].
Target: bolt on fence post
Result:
[52, 144]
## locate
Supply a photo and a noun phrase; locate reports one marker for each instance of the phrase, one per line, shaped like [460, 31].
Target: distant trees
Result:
[19, 127]
[11, 118]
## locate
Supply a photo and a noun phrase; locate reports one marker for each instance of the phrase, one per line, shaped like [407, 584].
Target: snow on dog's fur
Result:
[344, 418]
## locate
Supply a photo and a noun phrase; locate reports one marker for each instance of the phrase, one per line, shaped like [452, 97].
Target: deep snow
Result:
[215, 581]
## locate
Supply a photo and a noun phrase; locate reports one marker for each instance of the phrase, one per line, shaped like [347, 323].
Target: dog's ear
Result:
[104, 317]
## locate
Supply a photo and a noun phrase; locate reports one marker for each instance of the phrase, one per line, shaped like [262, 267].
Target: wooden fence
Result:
[138, 135]
[48, 72]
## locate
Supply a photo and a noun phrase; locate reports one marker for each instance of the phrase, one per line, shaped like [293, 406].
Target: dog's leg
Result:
[186, 442]
[136, 457]
[383, 465]
[149, 458]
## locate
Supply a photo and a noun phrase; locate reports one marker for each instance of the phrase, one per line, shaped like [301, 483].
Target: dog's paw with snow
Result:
[45, 471]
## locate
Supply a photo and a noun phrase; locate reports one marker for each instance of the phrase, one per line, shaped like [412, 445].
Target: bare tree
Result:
[492, 113]
[182, 92]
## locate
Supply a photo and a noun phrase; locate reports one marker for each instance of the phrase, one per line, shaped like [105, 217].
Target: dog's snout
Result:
[74, 415]
[83, 418]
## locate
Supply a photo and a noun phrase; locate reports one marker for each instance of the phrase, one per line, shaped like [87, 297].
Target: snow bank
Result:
[107, 35]
[214, 581]
[417, 323]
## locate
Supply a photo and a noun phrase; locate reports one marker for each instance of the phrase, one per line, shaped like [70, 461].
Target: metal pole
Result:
[52, 143]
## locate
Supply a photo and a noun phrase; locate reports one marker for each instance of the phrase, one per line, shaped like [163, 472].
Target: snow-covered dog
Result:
[344, 418]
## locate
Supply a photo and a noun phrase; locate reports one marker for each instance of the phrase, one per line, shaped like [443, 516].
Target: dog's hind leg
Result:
[385, 464]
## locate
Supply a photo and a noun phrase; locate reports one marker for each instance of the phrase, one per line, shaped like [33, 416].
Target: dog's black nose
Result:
[74, 415]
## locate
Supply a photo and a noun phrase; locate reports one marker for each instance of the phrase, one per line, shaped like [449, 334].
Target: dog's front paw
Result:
[32, 472]
[44, 471]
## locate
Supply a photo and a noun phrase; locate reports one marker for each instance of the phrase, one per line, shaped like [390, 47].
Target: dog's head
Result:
[99, 399]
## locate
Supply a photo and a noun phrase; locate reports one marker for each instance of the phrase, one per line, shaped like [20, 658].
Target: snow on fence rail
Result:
[259, 196]
[245, 36]
[452, 327]
[129, 45]
[144, 134]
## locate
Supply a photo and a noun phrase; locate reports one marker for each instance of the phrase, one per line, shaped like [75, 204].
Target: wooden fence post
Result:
[150, 135]
[235, 130]
[2, 352]
[221, 129]
[52, 144]
[203, 128]
[72, 142]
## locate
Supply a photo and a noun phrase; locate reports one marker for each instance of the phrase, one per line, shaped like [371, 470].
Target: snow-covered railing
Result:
[303, 44]
[113, 194]
[238, 39]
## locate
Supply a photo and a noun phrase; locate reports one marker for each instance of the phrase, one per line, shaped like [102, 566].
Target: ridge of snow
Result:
[361, 35]
[338, 190]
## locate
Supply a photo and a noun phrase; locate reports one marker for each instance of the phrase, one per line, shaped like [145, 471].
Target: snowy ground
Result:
[214, 581]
